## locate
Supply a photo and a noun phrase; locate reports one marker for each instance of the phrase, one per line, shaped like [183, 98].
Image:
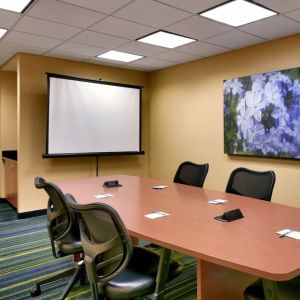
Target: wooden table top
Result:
[250, 245]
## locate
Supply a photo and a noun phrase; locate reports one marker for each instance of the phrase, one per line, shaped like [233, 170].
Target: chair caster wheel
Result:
[35, 292]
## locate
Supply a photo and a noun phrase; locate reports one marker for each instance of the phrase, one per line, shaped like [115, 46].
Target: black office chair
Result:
[287, 290]
[115, 269]
[190, 173]
[64, 234]
[251, 183]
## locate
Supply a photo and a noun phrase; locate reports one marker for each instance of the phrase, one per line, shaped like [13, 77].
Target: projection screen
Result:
[87, 117]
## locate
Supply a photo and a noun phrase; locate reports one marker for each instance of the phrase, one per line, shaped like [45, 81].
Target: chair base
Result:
[77, 273]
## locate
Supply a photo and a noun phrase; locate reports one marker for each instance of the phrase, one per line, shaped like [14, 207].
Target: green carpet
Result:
[25, 257]
[7, 213]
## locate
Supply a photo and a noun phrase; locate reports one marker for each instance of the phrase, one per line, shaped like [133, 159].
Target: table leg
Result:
[199, 279]
[134, 240]
[162, 274]
[270, 289]
[218, 282]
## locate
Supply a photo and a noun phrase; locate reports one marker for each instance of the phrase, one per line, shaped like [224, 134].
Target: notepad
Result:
[289, 233]
[217, 201]
[156, 214]
[100, 196]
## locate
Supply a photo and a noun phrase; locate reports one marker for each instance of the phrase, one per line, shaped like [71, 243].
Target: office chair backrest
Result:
[190, 173]
[106, 243]
[62, 224]
[251, 183]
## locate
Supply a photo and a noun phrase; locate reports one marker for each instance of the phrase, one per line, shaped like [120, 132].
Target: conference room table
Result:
[229, 255]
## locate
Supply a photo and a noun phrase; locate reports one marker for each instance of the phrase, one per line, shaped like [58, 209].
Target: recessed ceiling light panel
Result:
[119, 56]
[238, 12]
[2, 32]
[15, 5]
[165, 39]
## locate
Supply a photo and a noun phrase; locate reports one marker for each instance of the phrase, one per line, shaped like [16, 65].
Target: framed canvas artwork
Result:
[262, 114]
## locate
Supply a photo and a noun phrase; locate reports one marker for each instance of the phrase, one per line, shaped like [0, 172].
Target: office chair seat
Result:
[139, 276]
[129, 284]
[287, 290]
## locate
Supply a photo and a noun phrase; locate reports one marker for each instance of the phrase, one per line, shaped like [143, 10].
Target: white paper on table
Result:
[100, 196]
[160, 187]
[289, 233]
[156, 214]
[217, 201]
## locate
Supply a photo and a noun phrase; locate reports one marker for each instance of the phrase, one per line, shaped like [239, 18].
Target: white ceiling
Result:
[82, 29]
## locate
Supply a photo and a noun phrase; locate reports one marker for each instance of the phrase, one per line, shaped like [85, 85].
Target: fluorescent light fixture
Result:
[120, 56]
[165, 39]
[2, 32]
[238, 12]
[14, 5]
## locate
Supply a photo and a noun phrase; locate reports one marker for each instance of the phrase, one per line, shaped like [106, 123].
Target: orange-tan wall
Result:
[32, 127]
[186, 116]
[8, 118]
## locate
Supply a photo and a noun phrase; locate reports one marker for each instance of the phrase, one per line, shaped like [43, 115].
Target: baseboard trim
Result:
[30, 214]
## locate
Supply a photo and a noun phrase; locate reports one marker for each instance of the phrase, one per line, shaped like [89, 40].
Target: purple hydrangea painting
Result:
[262, 114]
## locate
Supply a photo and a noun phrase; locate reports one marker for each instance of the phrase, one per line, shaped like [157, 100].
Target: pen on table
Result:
[286, 233]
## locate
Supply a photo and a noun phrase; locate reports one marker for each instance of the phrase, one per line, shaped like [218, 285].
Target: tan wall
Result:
[9, 110]
[186, 116]
[8, 117]
[32, 133]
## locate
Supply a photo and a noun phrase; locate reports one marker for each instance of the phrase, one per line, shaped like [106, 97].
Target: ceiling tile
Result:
[8, 49]
[121, 28]
[151, 13]
[13, 48]
[5, 57]
[97, 39]
[280, 6]
[198, 27]
[8, 19]
[45, 28]
[80, 49]
[141, 48]
[194, 6]
[103, 6]
[138, 68]
[176, 56]
[32, 40]
[64, 13]
[272, 27]
[202, 49]
[153, 63]
[234, 39]
[294, 15]
[66, 55]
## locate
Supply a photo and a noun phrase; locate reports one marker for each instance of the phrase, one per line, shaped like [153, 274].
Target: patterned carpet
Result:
[7, 213]
[25, 257]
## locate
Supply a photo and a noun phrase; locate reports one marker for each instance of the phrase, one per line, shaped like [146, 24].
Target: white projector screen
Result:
[87, 117]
